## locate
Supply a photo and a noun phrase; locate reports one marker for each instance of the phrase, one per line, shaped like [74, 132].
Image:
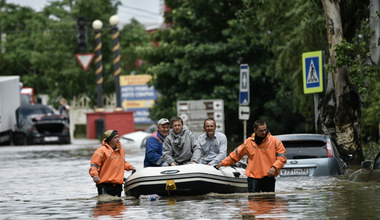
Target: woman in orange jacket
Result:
[266, 156]
[108, 165]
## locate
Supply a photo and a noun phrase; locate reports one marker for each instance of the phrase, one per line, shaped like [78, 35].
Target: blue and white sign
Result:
[137, 96]
[244, 85]
[312, 65]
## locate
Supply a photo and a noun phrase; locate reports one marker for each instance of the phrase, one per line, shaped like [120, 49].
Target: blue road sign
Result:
[312, 66]
[244, 85]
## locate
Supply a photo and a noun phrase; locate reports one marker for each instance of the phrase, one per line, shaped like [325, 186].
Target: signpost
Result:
[313, 77]
[84, 59]
[244, 85]
[137, 96]
[244, 96]
[194, 112]
[243, 113]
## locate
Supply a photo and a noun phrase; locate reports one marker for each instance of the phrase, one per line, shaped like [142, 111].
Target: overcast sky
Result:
[146, 12]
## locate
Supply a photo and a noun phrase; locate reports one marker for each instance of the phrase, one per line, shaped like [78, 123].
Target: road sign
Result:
[244, 85]
[84, 59]
[137, 96]
[194, 112]
[312, 66]
[243, 112]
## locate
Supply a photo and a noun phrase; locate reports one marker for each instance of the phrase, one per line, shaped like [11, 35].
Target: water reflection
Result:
[265, 205]
[109, 206]
[52, 182]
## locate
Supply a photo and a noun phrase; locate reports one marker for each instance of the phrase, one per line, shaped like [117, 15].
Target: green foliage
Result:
[290, 28]
[356, 57]
[132, 36]
[41, 47]
[364, 75]
[198, 57]
[371, 113]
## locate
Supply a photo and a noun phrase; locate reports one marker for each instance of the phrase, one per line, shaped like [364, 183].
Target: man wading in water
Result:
[108, 165]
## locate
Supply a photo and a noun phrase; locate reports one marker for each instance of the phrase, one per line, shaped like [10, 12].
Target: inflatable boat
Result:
[190, 179]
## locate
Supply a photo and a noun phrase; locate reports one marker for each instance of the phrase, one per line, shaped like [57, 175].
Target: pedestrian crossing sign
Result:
[312, 66]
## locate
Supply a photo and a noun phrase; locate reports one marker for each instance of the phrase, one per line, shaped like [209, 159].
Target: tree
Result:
[41, 46]
[198, 57]
[349, 52]
[132, 36]
[294, 27]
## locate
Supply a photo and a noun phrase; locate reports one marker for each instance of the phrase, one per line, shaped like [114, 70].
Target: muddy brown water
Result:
[52, 182]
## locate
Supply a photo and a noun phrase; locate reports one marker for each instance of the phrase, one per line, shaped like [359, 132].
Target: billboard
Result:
[136, 95]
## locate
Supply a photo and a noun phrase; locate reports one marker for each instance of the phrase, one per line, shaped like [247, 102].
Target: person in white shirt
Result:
[213, 143]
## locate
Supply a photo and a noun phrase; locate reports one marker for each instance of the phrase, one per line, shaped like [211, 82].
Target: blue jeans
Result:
[265, 184]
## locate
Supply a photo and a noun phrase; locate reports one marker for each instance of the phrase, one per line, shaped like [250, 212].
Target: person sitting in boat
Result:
[108, 165]
[180, 146]
[266, 156]
[153, 150]
[213, 143]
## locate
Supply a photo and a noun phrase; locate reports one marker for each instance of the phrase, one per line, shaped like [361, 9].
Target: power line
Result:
[140, 9]
[143, 16]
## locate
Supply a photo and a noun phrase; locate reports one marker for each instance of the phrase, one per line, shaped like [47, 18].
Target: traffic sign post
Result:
[244, 85]
[84, 59]
[243, 112]
[244, 96]
[312, 66]
[194, 112]
[313, 77]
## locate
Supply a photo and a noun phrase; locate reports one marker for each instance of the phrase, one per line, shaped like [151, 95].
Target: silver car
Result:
[311, 155]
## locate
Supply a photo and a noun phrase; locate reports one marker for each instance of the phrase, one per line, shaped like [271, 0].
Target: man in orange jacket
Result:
[266, 156]
[108, 165]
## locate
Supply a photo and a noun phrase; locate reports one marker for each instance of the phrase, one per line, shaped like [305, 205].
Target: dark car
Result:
[311, 155]
[367, 172]
[38, 124]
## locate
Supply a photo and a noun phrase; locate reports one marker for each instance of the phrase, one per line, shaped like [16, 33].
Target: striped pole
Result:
[97, 25]
[114, 21]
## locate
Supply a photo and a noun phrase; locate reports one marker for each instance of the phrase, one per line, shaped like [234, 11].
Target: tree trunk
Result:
[340, 108]
[374, 23]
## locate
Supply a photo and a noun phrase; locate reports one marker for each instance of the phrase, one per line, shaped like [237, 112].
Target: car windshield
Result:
[27, 110]
[305, 149]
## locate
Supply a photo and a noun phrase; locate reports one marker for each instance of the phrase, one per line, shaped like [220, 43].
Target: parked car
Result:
[137, 140]
[311, 155]
[38, 124]
[367, 172]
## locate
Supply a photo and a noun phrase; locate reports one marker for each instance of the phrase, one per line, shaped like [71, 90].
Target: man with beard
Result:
[266, 156]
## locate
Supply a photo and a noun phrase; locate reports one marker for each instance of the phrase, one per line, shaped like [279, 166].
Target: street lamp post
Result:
[97, 25]
[114, 21]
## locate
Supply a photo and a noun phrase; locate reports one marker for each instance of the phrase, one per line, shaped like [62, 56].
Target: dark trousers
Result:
[265, 184]
[110, 189]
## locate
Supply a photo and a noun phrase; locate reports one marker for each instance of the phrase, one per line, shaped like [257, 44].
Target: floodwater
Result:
[52, 182]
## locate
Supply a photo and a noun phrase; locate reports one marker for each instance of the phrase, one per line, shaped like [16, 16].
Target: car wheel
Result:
[25, 140]
[18, 138]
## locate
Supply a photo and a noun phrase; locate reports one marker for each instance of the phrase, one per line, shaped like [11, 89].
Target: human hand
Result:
[218, 165]
[193, 162]
[271, 172]
[96, 179]
[173, 164]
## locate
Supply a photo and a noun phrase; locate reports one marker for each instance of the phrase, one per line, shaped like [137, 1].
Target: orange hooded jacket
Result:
[109, 164]
[271, 152]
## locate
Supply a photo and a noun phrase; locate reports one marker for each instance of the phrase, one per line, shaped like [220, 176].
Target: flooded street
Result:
[52, 182]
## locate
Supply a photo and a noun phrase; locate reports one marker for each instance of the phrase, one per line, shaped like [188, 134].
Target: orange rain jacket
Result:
[271, 152]
[109, 164]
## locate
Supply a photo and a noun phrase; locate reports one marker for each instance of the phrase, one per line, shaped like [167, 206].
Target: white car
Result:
[136, 141]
